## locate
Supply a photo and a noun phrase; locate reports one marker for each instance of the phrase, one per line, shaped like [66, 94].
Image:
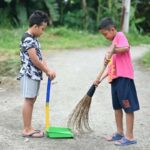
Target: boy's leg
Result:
[129, 125]
[128, 139]
[119, 123]
[119, 120]
[27, 114]
[129, 101]
[118, 113]
[30, 90]
[27, 119]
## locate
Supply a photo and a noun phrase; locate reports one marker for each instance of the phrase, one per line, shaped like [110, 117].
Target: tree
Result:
[125, 15]
[17, 11]
[85, 16]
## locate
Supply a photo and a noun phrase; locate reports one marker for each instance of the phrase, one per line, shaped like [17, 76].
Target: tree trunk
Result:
[125, 15]
[98, 12]
[85, 19]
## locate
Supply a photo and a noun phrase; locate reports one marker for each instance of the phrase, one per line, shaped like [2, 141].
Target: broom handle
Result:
[101, 72]
[92, 89]
[112, 48]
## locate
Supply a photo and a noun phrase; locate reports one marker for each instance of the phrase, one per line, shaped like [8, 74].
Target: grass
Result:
[54, 38]
[9, 67]
[146, 59]
[9, 40]
[137, 39]
[61, 38]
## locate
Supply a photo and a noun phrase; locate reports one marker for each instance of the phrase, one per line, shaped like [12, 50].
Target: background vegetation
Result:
[73, 25]
[79, 14]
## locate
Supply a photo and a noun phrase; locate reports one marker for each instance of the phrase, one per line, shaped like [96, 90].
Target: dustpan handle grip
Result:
[48, 90]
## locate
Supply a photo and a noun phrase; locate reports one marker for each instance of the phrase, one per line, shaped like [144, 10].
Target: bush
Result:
[9, 67]
[146, 59]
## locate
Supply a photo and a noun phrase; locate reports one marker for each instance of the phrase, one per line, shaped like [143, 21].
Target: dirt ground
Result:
[76, 70]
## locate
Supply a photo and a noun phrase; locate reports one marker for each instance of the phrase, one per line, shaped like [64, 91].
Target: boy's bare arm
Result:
[106, 61]
[44, 62]
[104, 75]
[40, 64]
[100, 78]
[113, 49]
[35, 60]
[120, 49]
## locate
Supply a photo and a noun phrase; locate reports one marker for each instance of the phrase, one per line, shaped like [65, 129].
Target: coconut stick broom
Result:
[79, 118]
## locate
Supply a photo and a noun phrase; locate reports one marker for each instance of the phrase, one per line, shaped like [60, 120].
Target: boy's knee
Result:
[30, 100]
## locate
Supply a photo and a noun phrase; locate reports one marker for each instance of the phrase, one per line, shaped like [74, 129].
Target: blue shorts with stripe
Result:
[124, 95]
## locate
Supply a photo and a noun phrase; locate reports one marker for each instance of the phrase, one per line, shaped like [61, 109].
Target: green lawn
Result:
[61, 38]
[146, 59]
[53, 39]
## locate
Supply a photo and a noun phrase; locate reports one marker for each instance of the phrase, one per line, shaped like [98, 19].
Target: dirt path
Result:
[76, 70]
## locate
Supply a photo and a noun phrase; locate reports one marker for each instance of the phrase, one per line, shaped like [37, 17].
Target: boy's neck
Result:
[115, 33]
[29, 31]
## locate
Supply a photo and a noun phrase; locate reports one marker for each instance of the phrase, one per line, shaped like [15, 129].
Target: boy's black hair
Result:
[38, 17]
[106, 23]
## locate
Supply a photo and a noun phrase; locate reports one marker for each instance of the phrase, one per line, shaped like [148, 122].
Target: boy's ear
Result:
[113, 29]
[35, 26]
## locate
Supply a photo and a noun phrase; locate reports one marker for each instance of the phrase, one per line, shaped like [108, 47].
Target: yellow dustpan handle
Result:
[47, 103]
[47, 115]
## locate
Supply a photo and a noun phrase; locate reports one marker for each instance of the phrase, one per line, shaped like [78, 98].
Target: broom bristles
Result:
[79, 119]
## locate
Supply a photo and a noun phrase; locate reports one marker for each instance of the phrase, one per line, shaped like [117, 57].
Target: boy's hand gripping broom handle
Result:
[110, 53]
[93, 87]
[47, 108]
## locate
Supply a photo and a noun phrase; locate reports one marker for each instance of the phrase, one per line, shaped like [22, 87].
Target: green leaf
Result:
[139, 20]
[21, 13]
[53, 9]
[7, 1]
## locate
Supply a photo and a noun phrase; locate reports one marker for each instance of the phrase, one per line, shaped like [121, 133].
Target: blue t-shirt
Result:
[27, 67]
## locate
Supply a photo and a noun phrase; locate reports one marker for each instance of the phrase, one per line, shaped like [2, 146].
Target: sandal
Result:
[125, 142]
[35, 134]
[114, 137]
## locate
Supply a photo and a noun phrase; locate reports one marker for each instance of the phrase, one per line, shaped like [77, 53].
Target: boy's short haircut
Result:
[106, 23]
[37, 18]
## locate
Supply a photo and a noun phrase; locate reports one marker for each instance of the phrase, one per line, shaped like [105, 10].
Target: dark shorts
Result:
[124, 94]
